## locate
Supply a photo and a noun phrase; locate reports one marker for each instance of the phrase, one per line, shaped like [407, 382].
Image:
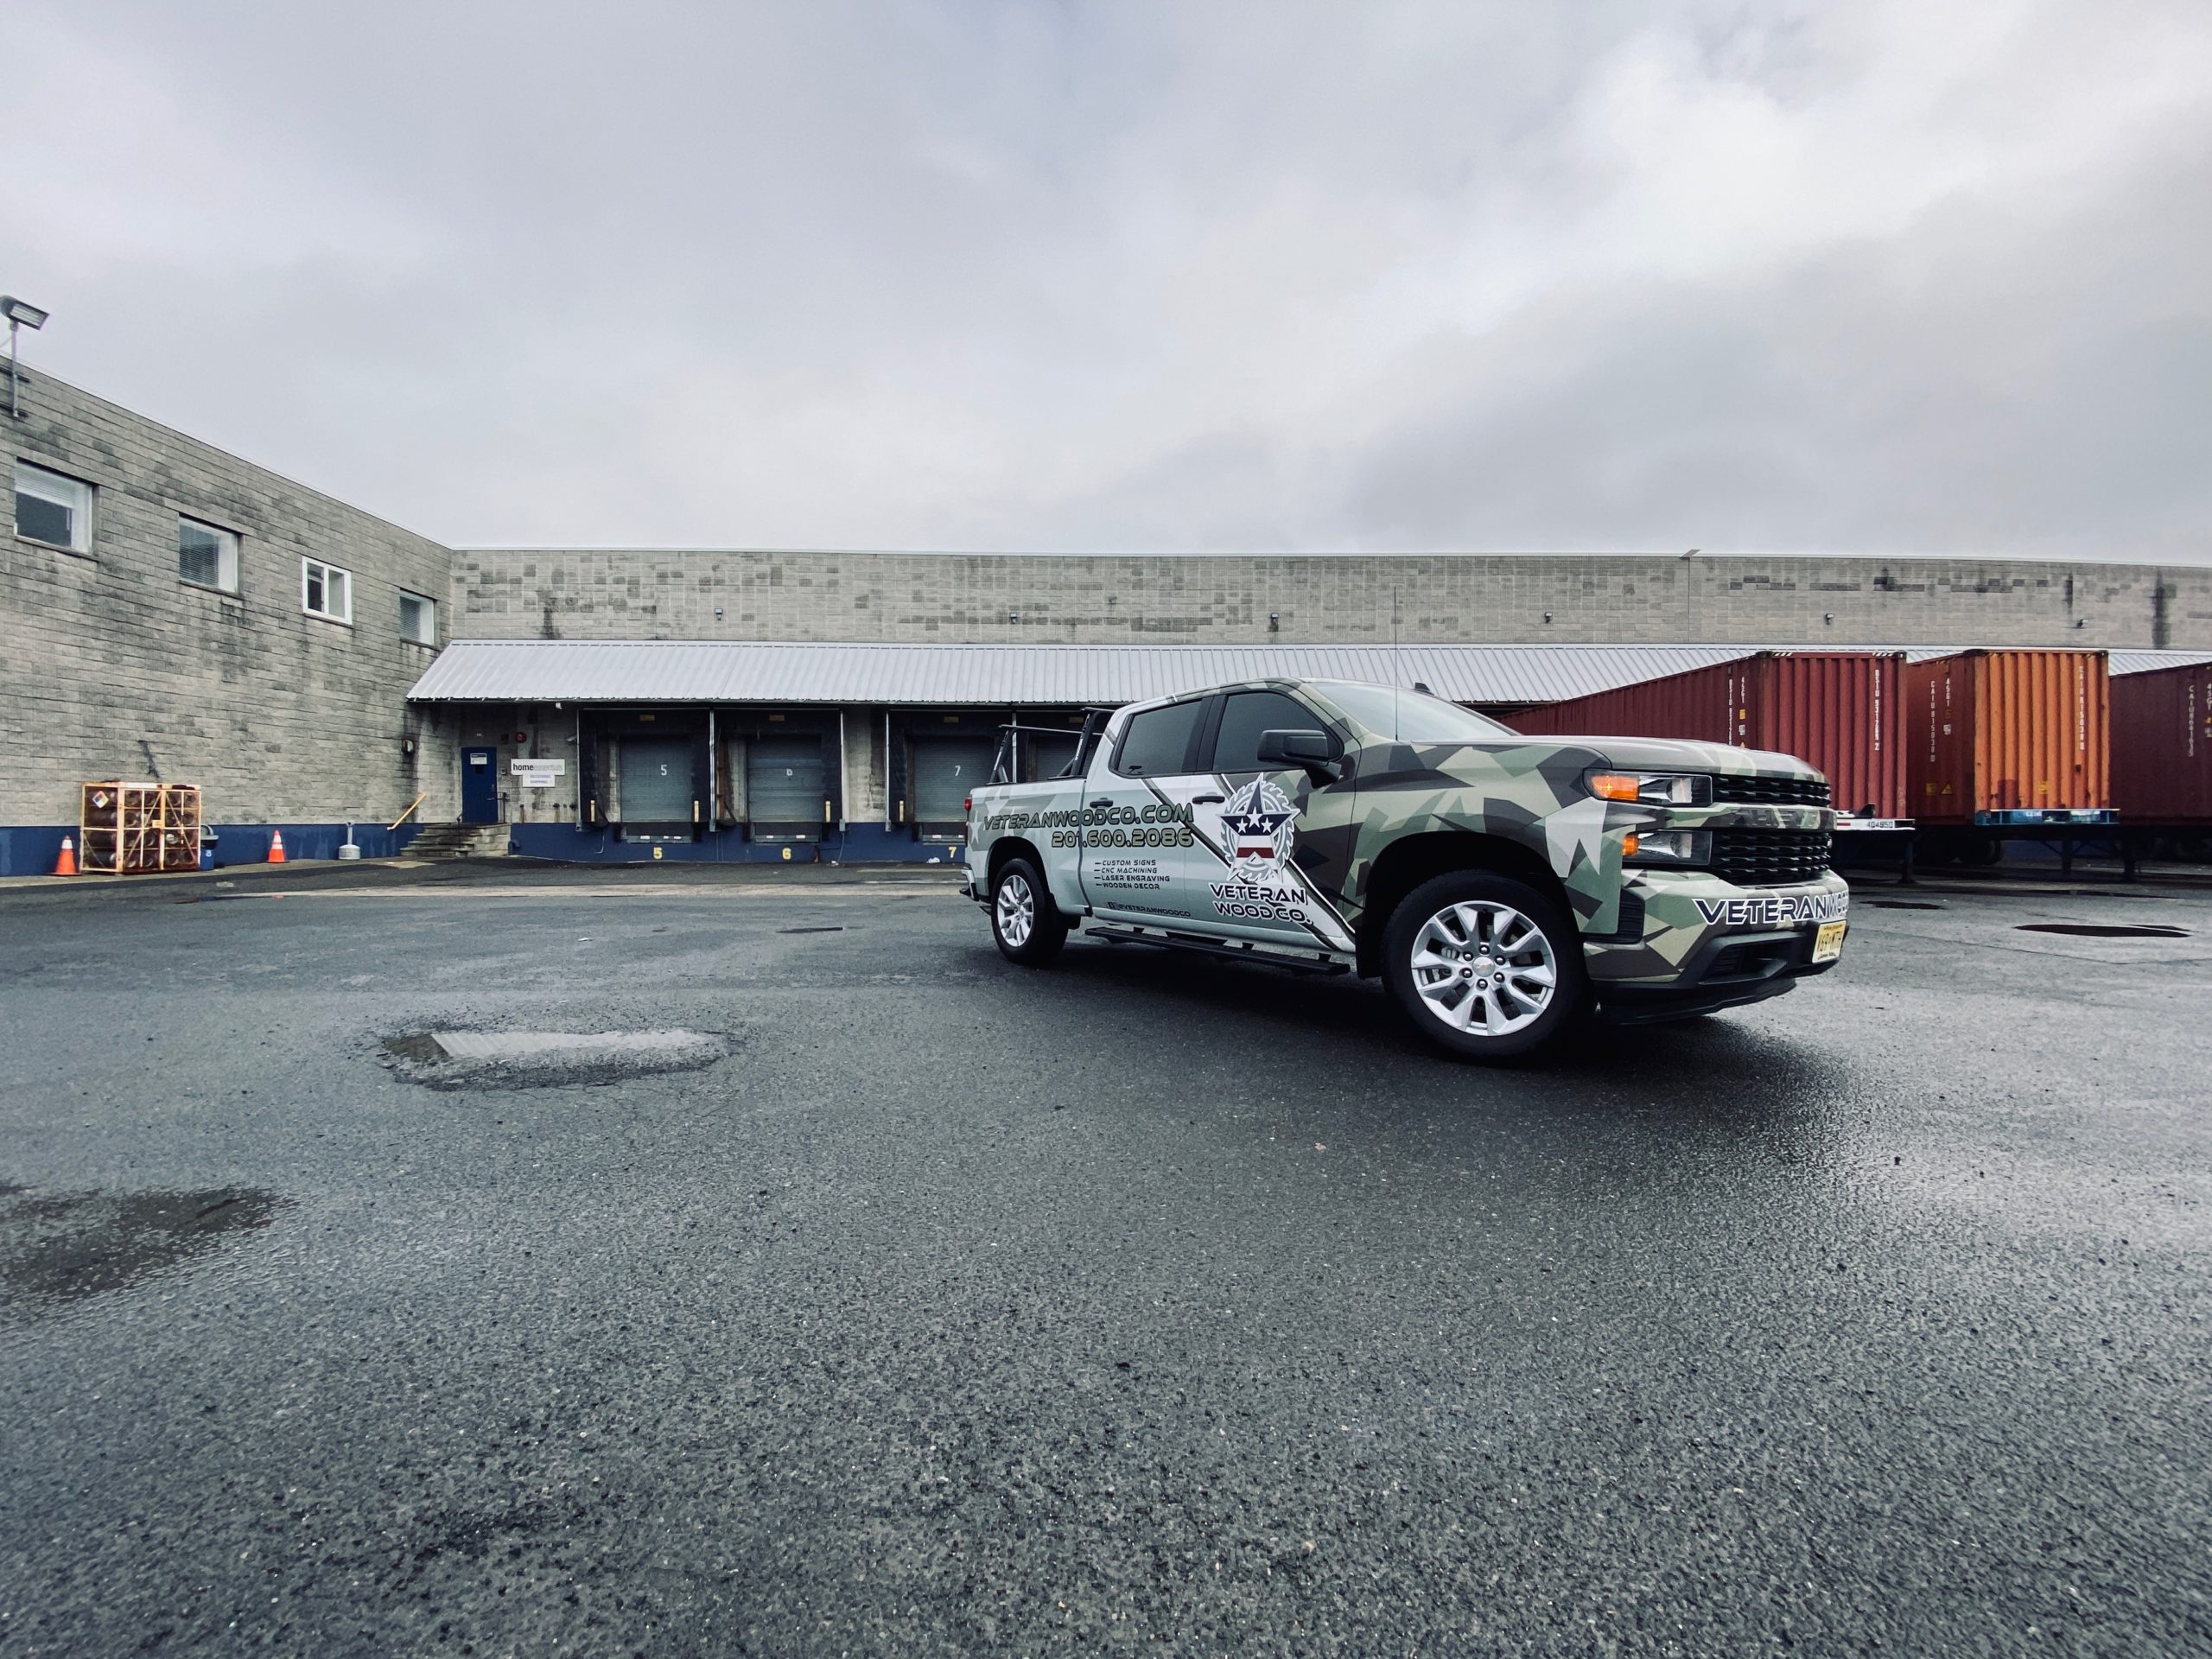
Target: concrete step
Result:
[441, 841]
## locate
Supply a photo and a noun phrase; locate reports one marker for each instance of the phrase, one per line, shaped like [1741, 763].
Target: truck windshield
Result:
[1410, 716]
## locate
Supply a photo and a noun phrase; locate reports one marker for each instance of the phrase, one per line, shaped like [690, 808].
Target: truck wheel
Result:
[1486, 967]
[1024, 919]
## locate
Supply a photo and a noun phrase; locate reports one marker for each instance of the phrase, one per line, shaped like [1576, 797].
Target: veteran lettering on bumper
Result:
[1775, 910]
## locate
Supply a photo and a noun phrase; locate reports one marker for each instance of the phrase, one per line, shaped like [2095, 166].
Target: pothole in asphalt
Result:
[839, 929]
[59, 1248]
[2106, 929]
[546, 1059]
[1902, 904]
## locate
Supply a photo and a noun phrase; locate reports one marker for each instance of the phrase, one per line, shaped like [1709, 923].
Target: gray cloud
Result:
[1881, 278]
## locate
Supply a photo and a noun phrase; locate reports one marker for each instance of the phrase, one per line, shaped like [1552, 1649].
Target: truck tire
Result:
[1485, 967]
[1024, 921]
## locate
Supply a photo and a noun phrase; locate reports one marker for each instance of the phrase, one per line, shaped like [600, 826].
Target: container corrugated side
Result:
[1698, 703]
[2162, 744]
[1842, 712]
[2008, 731]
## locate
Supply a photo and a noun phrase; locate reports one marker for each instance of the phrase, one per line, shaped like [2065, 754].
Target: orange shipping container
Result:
[2162, 744]
[1996, 737]
[1839, 711]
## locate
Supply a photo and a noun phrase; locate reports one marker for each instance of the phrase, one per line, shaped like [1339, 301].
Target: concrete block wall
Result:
[617, 593]
[115, 667]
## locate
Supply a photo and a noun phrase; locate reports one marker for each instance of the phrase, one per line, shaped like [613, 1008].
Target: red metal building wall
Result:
[1841, 711]
[1997, 731]
[2162, 746]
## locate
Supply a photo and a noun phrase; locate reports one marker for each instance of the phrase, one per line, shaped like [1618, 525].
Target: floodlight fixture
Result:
[21, 314]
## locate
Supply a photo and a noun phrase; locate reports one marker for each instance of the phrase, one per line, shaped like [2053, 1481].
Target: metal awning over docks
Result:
[698, 671]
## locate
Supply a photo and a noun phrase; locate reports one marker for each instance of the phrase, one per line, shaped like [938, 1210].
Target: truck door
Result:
[1135, 865]
[1243, 877]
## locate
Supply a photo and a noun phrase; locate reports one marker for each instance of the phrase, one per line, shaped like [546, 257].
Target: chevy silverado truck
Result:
[1501, 886]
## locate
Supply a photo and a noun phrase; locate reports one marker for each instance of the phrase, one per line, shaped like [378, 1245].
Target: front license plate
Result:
[1827, 944]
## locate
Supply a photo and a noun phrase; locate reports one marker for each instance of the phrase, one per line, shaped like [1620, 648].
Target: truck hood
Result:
[1682, 754]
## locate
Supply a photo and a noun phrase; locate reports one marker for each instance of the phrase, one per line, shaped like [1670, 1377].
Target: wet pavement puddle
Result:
[57, 1248]
[546, 1059]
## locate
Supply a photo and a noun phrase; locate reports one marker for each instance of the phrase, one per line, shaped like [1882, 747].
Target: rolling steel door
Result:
[1045, 758]
[784, 787]
[656, 787]
[946, 771]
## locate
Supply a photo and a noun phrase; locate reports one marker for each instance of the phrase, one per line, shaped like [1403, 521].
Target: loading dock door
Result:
[656, 787]
[1045, 758]
[784, 791]
[947, 770]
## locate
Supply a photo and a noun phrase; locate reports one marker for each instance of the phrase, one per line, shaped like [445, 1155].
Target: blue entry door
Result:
[479, 785]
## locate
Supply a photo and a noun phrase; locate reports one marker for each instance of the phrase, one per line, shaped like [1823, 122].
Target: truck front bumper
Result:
[1687, 942]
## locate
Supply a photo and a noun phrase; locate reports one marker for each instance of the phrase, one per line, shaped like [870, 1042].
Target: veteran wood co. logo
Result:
[1259, 827]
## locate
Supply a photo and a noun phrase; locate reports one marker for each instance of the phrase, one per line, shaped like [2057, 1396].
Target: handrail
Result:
[409, 812]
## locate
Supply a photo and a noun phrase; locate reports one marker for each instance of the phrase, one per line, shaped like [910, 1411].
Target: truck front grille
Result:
[1771, 792]
[1768, 858]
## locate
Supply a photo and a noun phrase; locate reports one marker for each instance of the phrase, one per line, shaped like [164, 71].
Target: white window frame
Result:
[328, 612]
[57, 491]
[430, 609]
[226, 556]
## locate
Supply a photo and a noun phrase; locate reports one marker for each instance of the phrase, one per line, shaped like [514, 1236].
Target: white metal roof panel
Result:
[678, 671]
[2149, 662]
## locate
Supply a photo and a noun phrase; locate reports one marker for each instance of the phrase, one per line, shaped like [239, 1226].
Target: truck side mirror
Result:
[1311, 751]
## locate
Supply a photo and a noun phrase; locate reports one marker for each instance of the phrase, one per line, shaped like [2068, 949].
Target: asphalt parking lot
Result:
[910, 1302]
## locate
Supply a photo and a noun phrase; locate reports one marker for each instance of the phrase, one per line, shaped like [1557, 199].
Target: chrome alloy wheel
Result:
[1017, 910]
[1483, 968]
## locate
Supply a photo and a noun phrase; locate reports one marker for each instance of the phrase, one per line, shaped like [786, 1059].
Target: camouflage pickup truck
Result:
[1500, 884]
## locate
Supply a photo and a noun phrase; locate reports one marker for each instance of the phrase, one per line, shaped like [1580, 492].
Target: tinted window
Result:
[1157, 740]
[1245, 716]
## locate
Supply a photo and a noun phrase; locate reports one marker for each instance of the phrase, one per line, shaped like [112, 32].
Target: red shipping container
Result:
[2008, 731]
[1841, 711]
[2162, 744]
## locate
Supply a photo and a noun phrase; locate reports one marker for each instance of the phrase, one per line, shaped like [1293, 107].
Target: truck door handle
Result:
[1098, 800]
[1205, 800]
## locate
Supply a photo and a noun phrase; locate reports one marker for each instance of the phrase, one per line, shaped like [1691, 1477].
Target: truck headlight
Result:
[1682, 847]
[1652, 788]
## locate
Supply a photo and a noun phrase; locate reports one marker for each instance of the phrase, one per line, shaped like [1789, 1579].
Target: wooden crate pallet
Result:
[128, 829]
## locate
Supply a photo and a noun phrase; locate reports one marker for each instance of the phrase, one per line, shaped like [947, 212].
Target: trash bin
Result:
[207, 849]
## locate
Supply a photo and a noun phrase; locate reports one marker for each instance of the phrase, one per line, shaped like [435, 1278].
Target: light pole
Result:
[21, 314]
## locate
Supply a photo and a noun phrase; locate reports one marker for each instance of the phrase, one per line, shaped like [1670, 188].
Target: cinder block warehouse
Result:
[175, 614]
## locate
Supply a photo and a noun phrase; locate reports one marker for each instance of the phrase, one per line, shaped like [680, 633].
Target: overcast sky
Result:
[1878, 277]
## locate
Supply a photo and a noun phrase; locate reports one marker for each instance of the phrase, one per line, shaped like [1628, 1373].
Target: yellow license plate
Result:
[1827, 944]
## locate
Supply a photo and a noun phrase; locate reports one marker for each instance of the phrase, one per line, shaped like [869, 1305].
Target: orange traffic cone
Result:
[276, 848]
[67, 864]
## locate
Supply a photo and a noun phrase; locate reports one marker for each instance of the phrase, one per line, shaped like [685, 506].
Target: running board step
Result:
[1294, 963]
